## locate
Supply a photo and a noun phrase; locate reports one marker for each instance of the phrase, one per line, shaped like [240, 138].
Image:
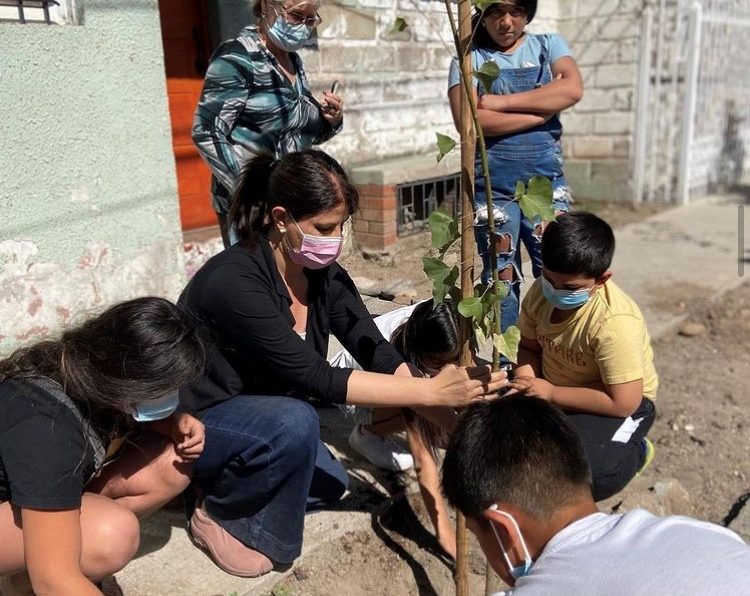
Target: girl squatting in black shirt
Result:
[68, 518]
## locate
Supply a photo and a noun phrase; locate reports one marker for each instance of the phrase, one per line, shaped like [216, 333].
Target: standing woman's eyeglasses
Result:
[295, 18]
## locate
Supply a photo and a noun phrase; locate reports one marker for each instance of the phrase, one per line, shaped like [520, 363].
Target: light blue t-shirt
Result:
[524, 56]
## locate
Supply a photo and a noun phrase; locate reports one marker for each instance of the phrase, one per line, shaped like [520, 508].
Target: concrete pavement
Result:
[665, 262]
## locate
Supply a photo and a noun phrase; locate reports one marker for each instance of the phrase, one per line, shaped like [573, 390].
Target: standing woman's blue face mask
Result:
[158, 408]
[291, 29]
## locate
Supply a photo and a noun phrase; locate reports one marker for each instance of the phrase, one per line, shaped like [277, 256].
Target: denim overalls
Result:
[512, 158]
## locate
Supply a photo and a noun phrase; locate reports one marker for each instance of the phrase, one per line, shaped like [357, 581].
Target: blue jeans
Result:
[510, 163]
[263, 467]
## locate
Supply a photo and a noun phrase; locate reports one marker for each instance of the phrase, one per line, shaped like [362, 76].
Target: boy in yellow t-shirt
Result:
[585, 348]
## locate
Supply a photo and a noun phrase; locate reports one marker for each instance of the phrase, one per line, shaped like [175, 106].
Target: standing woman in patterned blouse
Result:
[256, 98]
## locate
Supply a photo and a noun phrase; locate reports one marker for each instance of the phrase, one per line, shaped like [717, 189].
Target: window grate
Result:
[23, 5]
[417, 200]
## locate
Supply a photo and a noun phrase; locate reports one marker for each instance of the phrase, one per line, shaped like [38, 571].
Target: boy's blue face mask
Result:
[565, 299]
[517, 571]
[157, 409]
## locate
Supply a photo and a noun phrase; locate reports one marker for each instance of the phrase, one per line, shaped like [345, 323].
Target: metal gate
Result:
[693, 104]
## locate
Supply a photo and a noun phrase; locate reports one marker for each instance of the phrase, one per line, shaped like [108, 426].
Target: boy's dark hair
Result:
[305, 183]
[578, 243]
[519, 450]
[482, 39]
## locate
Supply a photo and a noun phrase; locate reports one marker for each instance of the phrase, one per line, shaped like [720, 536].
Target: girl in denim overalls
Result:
[519, 118]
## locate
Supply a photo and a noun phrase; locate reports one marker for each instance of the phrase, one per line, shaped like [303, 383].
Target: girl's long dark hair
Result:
[132, 352]
[431, 330]
[304, 183]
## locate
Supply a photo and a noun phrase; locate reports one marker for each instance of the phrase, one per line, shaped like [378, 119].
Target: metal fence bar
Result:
[418, 199]
[688, 125]
[641, 110]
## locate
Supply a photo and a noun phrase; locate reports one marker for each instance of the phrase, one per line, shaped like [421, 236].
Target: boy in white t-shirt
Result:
[516, 469]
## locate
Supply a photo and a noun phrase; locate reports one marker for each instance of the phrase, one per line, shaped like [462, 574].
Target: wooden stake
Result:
[468, 142]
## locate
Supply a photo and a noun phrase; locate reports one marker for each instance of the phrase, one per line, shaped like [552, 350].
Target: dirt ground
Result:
[701, 435]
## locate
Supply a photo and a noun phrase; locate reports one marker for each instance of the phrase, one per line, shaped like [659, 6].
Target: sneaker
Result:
[648, 446]
[224, 549]
[382, 452]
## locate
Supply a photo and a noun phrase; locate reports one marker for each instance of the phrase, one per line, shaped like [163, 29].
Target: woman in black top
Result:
[68, 518]
[271, 301]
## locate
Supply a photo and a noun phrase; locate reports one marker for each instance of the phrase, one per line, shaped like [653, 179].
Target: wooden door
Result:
[185, 36]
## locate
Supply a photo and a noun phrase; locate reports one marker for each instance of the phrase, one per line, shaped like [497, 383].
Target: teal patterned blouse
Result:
[248, 106]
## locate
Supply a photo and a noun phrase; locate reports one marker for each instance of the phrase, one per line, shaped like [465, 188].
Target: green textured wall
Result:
[88, 199]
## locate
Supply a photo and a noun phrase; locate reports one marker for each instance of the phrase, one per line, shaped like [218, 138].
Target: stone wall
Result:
[88, 194]
[394, 84]
[598, 131]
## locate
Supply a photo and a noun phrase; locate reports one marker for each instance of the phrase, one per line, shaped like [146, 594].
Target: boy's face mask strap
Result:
[517, 571]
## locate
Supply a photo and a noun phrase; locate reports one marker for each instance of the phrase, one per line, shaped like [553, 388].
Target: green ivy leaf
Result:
[520, 190]
[471, 308]
[486, 74]
[507, 343]
[537, 201]
[399, 25]
[445, 145]
[443, 277]
[501, 289]
[443, 229]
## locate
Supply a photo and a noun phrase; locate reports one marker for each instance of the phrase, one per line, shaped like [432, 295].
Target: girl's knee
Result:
[113, 540]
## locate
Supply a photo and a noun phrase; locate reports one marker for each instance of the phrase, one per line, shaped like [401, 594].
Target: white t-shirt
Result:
[639, 554]
[387, 324]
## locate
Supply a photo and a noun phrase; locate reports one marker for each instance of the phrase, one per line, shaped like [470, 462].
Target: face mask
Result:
[157, 409]
[315, 252]
[519, 570]
[287, 36]
[565, 299]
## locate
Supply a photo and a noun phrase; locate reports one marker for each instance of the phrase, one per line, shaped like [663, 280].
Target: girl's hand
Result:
[333, 108]
[188, 435]
[532, 387]
[458, 386]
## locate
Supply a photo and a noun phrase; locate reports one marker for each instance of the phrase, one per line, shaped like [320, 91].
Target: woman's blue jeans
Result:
[262, 468]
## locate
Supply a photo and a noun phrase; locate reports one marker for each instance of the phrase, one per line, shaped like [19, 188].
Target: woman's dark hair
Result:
[481, 38]
[132, 352]
[578, 243]
[305, 183]
[430, 331]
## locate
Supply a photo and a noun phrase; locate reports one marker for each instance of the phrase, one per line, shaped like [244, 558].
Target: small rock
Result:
[666, 497]
[300, 573]
[691, 329]
[381, 257]
[367, 286]
[689, 427]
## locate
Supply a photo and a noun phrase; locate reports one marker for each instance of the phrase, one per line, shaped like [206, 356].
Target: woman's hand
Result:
[333, 108]
[188, 435]
[458, 386]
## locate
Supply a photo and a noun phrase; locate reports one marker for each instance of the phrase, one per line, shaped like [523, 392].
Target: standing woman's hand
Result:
[458, 386]
[333, 108]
